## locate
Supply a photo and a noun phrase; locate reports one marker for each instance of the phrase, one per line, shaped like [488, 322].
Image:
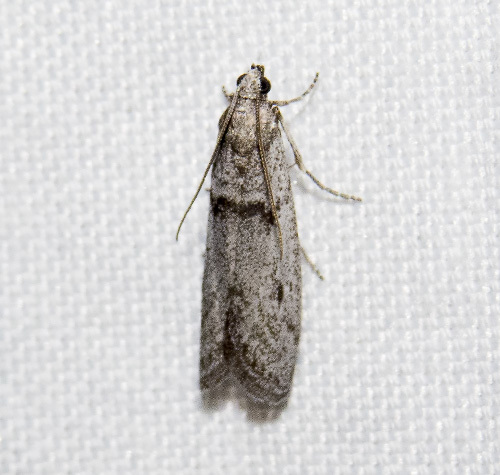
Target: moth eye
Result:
[265, 85]
[240, 79]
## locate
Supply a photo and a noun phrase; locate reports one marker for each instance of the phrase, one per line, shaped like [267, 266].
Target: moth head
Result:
[254, 83]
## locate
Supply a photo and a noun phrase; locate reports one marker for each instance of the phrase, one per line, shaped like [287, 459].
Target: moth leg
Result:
[228, 95]
[311, 263]
[300, 163]
[296, 99]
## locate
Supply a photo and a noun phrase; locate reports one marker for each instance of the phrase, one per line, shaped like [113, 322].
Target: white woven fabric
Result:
[109, 115]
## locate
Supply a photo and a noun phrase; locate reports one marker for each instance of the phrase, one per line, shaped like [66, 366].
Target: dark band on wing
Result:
[245, 210]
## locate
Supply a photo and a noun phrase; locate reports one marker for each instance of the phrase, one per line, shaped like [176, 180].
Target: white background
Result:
[109, 115]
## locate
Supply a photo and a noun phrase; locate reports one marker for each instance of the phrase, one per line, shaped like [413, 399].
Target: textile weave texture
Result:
[109, 116]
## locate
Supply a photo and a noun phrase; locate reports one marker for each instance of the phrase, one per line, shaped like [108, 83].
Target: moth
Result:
[251, 292]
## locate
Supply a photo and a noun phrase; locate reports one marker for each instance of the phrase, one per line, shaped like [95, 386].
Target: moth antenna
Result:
[222, 131]
[266, 175]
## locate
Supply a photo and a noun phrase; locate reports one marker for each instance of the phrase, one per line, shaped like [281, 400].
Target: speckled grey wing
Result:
[263, 318]
[213, 367]
[251, 298]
